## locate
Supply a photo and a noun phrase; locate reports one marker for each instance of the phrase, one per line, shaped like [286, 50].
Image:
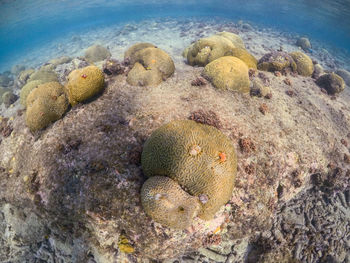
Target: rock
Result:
[228, 73]
[304, 43]
[276, 61]
[245, 56]
[150, 65]
[97, 53]
[113, 67]
[212, 255]
[45, 104]
[9, 98]
[43, 75]
[318, 71]
[331, 82]
[16, 69]
[183, 150]
[26, 89]
[84, 84]
[345, 75]
[305, 67]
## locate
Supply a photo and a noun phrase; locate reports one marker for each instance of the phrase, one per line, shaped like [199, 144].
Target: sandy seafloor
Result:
[314, 224]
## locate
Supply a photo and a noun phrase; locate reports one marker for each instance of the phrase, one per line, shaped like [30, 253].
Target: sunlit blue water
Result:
[26, 24]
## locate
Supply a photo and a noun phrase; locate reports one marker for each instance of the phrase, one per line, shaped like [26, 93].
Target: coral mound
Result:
[228, 73]
[97, 53]
[331, 82]
[305, 67]
[45, 104]
[150, 65]
[84, 83]
[164, 200]
[199, 158]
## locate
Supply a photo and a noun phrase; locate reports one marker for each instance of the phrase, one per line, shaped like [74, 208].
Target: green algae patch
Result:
[84, 83]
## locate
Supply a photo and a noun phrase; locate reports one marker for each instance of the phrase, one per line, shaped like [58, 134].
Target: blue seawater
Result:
[26, 24]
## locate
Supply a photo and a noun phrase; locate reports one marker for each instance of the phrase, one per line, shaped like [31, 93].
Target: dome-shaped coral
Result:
[228, 73]
[45, 104]
[198, 157]
[245, 56]
[45, 75]
[151, 65]
[97, 53]
[305, 67]
[167, 203]
[331, 82]
[26, 89]
[84, 83]
[236, 40]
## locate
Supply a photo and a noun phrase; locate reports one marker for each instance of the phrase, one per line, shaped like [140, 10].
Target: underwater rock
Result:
[45, 104]
[60, 60]
[304, 43]
[113, 67]
[345, 75]
[331, 82]
[2, 91]
[245, 56]
[150, 65]
[318, 71]
[16, 69]
[276, 61]
[44, 75]
[84, 83]
[97, 53]
[228, 73]
[305, 67]
[197, 157]
[9, 98]
[26, 89]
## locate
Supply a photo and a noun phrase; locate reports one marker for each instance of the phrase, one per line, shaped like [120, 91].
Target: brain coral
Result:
[200, 160]
[305, 67]
[245, 56]
[26, 89]
[228, 73]
[276, 61]
[84, 83]
[97, 53]
[150, 65]
[45, 104]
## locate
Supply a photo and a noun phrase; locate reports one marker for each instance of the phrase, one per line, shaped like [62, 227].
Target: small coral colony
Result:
[190, 166]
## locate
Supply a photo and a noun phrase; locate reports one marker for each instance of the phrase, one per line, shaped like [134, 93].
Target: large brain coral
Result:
[151, 65]
[192, 168]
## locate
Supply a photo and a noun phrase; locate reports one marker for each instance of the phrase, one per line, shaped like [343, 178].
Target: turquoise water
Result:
[25, 25]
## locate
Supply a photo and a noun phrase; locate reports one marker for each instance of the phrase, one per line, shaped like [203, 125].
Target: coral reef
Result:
[44, 75]
[305, 67]
[245, 56]
[113, 67]
[276, 61]
[150, 65]
[26, 89]
[235, 39]
[84, 84]
[97, 53]
[199, 158]
[304, 43]
[9, 98]
[331, 82]
[45, 104]
[345, 75]
[228, 73]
